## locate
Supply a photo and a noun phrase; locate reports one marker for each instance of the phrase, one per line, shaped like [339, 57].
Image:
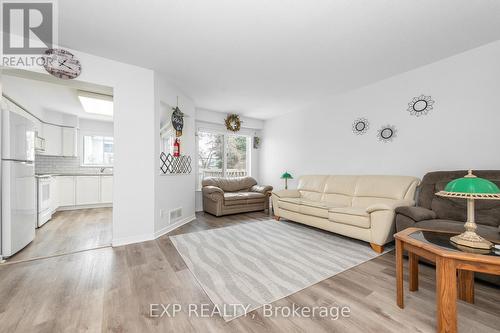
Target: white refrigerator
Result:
[18, 179]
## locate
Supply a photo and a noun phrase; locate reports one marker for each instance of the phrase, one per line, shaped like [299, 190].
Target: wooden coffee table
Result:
[450, 261]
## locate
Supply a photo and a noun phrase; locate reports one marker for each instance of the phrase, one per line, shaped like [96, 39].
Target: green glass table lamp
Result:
[286, 176]
[471, 188]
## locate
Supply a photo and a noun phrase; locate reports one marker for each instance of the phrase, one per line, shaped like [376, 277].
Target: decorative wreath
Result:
[233, 122]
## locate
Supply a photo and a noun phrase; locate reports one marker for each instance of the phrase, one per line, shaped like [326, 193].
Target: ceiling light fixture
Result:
[96, 103]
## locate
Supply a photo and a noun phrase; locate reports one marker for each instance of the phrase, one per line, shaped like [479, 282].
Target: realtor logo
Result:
[28, 27]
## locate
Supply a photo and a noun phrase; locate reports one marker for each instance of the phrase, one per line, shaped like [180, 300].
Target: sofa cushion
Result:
[307, 207]
[486, 212]
[290, 204]
[390, 187]
[230, 184]
[232, 196]
[340, 189]
[312, 187]
[354, 216]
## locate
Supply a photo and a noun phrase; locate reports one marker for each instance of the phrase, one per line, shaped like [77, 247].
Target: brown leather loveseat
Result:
[223, 196]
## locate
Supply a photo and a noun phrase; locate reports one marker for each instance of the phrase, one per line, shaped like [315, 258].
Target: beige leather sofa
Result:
[360, 207]
[223, 196]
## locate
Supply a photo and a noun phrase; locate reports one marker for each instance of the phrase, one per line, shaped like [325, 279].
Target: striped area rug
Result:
[243, 267]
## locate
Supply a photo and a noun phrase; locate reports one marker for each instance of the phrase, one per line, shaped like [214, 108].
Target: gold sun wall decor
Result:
[233, 122]
[360, 126]
[420, 106]
[387, 133]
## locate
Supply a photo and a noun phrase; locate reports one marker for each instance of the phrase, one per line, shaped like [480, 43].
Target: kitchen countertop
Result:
[45, 175]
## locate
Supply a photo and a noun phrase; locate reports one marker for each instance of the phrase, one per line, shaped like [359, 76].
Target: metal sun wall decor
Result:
[360, 126]
[420, 106]
[171, 165]
[387, 133]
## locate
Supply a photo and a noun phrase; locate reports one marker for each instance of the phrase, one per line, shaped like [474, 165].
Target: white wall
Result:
[174, 191]
[214, 120]
[461, 132]
[134, 149]
[97, 127]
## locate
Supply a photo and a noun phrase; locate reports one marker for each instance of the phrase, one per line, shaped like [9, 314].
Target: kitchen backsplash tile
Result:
[57, 164]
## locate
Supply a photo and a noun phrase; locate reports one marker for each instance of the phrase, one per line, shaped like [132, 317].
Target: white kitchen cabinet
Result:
[66, 191]
[106, 189]
[59, 141]
[87, 190]
[53, 140]
[69, 141]
[54, 193]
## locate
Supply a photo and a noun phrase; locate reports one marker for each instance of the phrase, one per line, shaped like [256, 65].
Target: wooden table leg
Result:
[399, 274]
[413, 271]
[466, 286]
[446, 295]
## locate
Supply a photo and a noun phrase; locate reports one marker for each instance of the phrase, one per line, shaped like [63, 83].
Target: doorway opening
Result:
[61, 189]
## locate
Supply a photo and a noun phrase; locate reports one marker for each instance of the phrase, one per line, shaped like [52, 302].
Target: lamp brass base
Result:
[473, 240]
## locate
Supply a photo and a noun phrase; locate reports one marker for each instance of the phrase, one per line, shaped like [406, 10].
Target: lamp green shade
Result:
[286, 176]
[472, 187]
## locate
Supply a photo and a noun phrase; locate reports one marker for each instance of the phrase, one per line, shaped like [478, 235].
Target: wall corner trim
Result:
[174, 226]
[155, 235]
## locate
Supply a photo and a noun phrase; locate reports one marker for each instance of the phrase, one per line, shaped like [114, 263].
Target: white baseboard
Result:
[100, 205]
[148, 237]
[174, 226]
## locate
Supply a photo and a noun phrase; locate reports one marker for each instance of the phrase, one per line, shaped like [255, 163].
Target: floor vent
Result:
[175, 215]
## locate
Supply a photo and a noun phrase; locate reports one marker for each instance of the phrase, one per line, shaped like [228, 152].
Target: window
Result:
[222, 155]
[97, 150]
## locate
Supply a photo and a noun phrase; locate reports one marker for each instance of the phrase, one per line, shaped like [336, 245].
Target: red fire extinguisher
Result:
[177, 148]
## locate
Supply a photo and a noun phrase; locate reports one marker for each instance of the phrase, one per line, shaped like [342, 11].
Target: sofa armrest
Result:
[287, 194]
[212, 192]
[264, 189]
[276, 196]
[416, 213]
[389, 206]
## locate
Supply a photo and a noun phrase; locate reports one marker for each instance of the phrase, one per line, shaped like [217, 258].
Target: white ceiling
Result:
[263, 58]
[39, 97]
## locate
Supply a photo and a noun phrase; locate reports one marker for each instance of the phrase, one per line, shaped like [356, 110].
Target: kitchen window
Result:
[222, 155]
[97, 150]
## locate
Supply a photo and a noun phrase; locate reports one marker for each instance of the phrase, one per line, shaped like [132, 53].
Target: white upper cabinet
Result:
[59, 141]
[53, 140]
[69, 141]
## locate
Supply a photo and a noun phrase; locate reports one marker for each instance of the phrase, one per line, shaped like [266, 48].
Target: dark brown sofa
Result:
[223, 196]
[449, 214]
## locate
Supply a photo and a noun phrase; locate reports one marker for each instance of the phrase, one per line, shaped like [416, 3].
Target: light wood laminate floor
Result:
[70, 231]
[111, 289]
